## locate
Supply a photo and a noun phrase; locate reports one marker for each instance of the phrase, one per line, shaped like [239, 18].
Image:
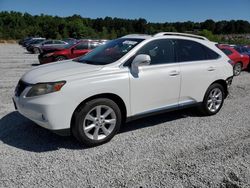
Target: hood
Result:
[58, 71]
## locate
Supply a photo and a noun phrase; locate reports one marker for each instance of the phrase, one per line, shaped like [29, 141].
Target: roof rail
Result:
[180, 34]
[136, 35]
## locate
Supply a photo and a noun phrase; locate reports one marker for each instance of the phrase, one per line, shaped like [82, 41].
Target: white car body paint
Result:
[156, 87]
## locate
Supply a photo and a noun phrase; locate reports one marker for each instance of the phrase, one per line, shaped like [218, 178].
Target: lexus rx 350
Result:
[124, 79]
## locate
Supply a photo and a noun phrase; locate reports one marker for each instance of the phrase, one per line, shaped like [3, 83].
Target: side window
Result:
[58, 42]
[48, 42]
[190, 51]
[211, 54]
[160, 51]
[227, 51]
[82, 46]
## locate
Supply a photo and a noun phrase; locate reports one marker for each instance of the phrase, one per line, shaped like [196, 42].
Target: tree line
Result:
[16, 25]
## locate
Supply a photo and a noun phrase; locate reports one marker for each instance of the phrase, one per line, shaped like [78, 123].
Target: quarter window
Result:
[193, 51]
[190, 51]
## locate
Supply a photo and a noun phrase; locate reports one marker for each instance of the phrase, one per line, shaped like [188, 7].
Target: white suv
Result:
[127, 78]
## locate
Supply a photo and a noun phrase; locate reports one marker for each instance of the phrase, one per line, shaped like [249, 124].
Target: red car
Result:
[67, 52]
[241, 61]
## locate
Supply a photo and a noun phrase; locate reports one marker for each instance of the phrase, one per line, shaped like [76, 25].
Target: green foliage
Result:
[16, 25]
[208, 34]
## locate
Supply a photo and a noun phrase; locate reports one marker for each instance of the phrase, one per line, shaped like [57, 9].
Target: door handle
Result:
[211, 68]
[174, 73]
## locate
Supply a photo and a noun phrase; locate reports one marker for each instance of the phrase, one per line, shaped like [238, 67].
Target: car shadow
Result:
[35, 64]
[20, 132]
[28, 53]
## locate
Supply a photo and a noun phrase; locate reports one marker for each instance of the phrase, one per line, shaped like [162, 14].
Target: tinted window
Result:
[226, 51]
[48, 42]
[190, 51]
[211, 54]
[58, 42]
[82, 46]
[160, 51]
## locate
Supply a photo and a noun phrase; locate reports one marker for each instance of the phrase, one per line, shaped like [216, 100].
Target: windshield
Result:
[109, 52]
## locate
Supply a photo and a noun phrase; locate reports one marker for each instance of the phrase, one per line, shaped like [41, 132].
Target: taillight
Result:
[231, 62]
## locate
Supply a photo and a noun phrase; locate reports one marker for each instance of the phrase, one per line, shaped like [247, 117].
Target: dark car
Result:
[24, 40]
[242, 50]
[68, 52]
[37, 48]
[33, 41]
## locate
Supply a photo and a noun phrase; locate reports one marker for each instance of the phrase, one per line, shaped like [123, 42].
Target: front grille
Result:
[20, 88]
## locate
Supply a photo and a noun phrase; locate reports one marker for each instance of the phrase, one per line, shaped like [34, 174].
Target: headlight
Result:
[45, 88]
[48, 54]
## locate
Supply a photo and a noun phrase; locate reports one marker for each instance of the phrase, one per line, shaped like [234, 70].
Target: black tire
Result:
[80, 118]
[237, 69]
[60, 58]
[36, 50]
[204, 108]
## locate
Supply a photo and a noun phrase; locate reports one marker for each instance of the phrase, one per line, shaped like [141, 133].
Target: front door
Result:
[157, 86]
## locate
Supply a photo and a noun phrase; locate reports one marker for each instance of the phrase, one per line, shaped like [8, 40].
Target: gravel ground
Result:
[177, 149]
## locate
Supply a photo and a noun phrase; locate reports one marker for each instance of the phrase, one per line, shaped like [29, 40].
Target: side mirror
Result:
[139, 60]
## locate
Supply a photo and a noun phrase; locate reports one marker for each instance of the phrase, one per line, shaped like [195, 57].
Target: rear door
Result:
[199, 67]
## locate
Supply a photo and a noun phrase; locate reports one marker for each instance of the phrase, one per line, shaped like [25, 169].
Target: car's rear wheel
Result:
[36, 50]
[213, 100]
[60, 58]
[97, 122]
[237, 69]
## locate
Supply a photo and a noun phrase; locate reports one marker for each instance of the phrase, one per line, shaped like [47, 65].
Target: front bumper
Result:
[50, 111]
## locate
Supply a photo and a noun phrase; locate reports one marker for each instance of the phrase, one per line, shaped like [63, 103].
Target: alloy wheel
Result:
[99, 122]
[214, 100]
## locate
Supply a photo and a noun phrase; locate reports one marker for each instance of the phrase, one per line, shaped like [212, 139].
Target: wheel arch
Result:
[57, 56]
[223, 83]
[117, 99]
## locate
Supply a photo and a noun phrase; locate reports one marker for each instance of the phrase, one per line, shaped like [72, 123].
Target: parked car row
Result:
[240, 55]
[58, 50]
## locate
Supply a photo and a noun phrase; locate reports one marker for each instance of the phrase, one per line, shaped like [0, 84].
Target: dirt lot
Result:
[177, 149]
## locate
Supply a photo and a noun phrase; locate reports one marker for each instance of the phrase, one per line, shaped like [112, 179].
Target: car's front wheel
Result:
[213, 99]
[36, 50]
[97, 122]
